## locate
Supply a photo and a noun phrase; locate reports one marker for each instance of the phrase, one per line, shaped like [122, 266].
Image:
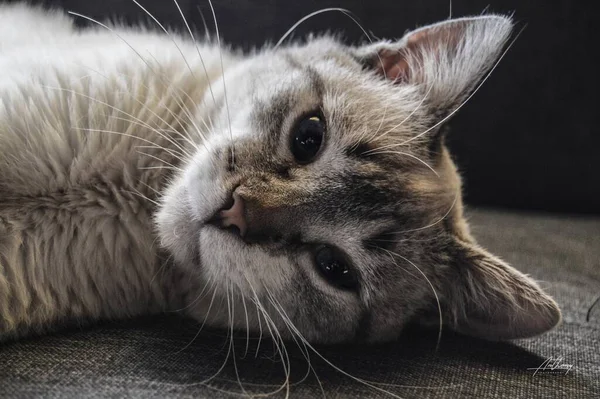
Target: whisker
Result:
[112, 31]
[281, 311]
[321, 11]
[301, 344]
[128, 44]
[437, 299]
[184, 109]
[139, 124]
[141, 196]
[121, 111]
[151, 188]
[403, 121]
[170, 152]
[204, 322]
[159, 167]
[205, 381]
[247, 323]
[408, 155]
[212, 9]
[206, 30]
[231, 310]
[197, 48]
[370, 384]
[160, 269]
[260, 329]
[437, 221]
[285, 359]
[145, 107]
[152, 144]
[167, 33]
[350, 15]
[160, 160]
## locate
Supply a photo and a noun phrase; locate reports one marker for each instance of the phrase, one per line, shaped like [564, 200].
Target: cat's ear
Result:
[445, 60]
[487, 298]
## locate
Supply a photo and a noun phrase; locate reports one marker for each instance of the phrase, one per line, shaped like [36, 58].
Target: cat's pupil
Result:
[307, 139]
[334, 268]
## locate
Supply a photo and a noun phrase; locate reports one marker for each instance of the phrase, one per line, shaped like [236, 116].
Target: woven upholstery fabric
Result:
[158, 357]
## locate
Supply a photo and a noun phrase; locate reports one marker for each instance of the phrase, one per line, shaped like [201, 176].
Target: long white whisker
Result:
[200, 296]
[260, 329]
[437, 299]
[212, 9]
[370, 384]
[205, 381]
[170, 152]
[167, 33]
[204, 322]
[160, 269]
[247, 323]
[403, 121]
[283, 314]
[437, 221]
[145, 107]
[408, 155]
[206, 30]
[321, 11]
[188, 114]
[231, 310]
[153, 144]
[197, 49]
[136, 192]
[158, 193]
[129, 45]
[123, 112]
[112, 31]
[301, 344]
[159, 167]
[160, 160]
[285, 359]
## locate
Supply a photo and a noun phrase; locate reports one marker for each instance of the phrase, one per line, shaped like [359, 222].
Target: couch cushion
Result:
[162, 356]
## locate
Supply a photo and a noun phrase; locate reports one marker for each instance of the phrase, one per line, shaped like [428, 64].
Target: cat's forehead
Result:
[358, 107]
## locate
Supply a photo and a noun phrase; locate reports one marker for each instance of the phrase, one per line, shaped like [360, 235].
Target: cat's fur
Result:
[117, 145]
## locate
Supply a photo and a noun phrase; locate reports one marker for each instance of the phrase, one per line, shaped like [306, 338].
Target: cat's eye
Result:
[307, 138]
[334, 267]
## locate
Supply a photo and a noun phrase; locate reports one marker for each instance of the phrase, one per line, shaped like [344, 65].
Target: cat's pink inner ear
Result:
[395, 62]
[393, 65]
[446, 59]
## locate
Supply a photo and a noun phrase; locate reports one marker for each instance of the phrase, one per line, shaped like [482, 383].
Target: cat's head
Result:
[324, 196]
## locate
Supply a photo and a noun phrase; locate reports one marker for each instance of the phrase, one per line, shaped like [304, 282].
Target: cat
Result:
[303, 190]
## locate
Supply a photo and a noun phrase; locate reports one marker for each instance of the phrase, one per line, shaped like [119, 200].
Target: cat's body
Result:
[78, 112]
[112, 169]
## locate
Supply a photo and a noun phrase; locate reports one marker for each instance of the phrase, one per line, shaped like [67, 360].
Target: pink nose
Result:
[234, 216]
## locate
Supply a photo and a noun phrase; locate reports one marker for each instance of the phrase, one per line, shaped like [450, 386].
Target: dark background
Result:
[527, 139]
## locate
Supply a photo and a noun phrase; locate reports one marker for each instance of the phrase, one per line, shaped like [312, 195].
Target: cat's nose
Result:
[233, 215]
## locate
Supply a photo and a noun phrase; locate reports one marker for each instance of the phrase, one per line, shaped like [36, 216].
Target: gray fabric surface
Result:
[161, 357]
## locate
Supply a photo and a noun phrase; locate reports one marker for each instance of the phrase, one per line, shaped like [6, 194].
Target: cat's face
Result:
[323, 195]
